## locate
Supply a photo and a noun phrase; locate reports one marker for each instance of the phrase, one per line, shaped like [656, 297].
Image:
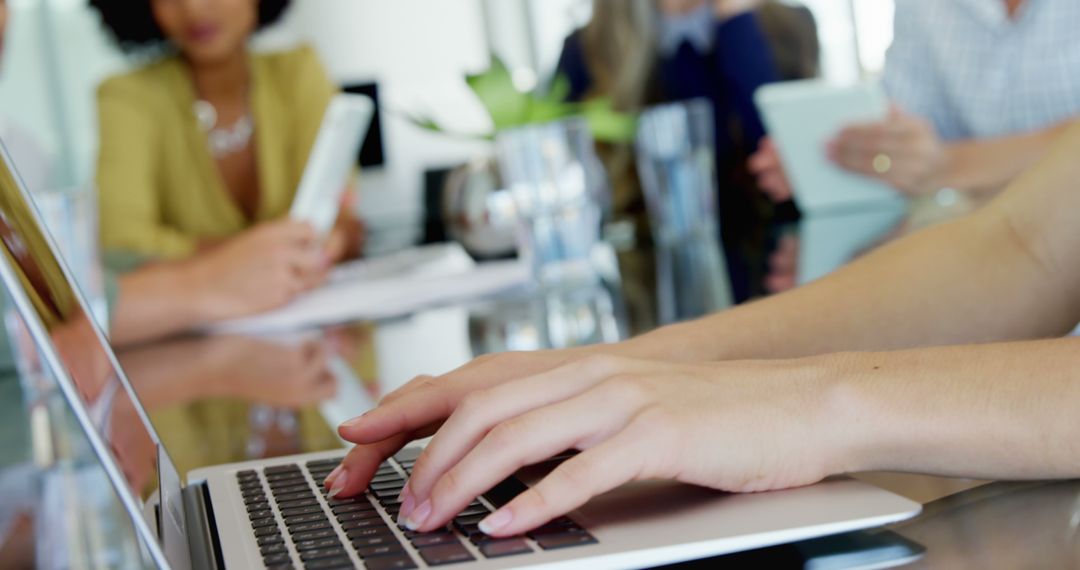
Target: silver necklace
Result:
[223, 141]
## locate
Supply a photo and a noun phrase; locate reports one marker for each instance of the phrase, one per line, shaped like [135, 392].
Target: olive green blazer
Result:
[159, 189]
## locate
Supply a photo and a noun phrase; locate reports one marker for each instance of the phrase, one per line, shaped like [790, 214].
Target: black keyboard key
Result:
[389, 478]
[387, 494]
[387, 485]
[301, 494]
[441, 554]
[291, 489]
[291, 520]
[358, 515]
[317, 543]
[505, 491]
[348, 501]
[277, 559]
[270, 539]
[555, 529]
[252, 487]
[359, 520]
[281, 469]
[258, 506]
[479, 537]
[327, 532]
[330, 563]
[367, 552]
[301, 502]
[250, 498]
[377, 540]
[332, 462]
[399, 562]
[318, 524]
[285, 479]
[472, 511]
[500, 548]
[412, 533]
[248, 474]
[342, 509]
[263, 522]
[564, 540]
[266, 531]
[260, 514]
[423, 540]
[367, 532]
[302, 510]
[276, 548]
[317, 554]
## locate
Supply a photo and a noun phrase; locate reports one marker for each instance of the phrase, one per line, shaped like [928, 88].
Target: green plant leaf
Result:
[507, 106]
[607, 124]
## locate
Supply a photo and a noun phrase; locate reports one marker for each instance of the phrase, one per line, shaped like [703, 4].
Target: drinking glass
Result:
[561, 193]
[676, 163]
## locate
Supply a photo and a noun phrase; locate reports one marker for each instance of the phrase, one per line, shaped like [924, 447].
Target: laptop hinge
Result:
[202, 540]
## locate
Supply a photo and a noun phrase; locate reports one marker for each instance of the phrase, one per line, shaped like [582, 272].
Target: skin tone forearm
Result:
[920, 286]
[994, 411]
[154, 302]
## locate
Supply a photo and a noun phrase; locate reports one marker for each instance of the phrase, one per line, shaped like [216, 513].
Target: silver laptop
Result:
[274, 513]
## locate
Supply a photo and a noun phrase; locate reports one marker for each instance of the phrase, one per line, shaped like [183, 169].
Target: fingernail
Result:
[496, 521]
[419, 517]
[353, 422]
[408, 503]
[333, 475]
[339, 484]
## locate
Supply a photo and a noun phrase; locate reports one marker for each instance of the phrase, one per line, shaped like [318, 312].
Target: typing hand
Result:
[261, 269]
[736, 427]
[904, 151]
[765, 165]
[417, 409]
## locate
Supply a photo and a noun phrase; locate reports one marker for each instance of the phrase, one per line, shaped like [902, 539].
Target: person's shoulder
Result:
[292, 63]
[143, 84]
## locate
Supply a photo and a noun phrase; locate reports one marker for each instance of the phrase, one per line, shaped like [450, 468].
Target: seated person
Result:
[209, 141]
[932, 354]
[981, 90]
[645, 52]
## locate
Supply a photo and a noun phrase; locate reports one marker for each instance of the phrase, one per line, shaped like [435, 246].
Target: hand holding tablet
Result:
[802, 118]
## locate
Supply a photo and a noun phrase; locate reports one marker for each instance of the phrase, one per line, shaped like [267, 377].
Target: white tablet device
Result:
[802, 117]
[331, 161]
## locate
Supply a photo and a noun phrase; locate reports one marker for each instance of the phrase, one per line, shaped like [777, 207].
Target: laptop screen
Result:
[85, 359]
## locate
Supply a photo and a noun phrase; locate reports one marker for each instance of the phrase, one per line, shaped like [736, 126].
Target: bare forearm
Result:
[1007, 272]
[997, 411]
[990, 165]
[156, 301]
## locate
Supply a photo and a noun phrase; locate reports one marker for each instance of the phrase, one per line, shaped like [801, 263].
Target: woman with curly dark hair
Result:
[207, 142]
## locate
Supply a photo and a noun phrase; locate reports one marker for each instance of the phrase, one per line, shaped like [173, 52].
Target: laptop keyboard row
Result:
[287, 504]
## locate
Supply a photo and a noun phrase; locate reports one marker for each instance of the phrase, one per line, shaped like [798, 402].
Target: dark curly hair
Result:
[133, 27]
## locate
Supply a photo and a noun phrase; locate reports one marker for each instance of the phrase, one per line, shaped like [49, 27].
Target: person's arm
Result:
[126, 175]
[260, 269]
[1006, 272]
[919, 162]
[989, 165]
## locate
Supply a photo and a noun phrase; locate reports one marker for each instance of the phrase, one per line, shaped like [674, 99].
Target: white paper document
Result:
[389, 286]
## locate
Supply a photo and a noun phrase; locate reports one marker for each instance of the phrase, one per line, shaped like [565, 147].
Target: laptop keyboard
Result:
[287, 505]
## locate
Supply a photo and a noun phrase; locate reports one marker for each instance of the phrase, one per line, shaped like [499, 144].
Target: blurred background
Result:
[415, 52]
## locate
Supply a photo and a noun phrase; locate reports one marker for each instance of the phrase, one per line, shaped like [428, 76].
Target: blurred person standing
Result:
[645, 52]
[208, 141]
[981, 88]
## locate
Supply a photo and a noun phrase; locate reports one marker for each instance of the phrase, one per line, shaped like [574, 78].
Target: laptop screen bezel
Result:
[133, 505]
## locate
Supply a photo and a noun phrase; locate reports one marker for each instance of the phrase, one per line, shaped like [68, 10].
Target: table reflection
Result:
[1001, 526]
